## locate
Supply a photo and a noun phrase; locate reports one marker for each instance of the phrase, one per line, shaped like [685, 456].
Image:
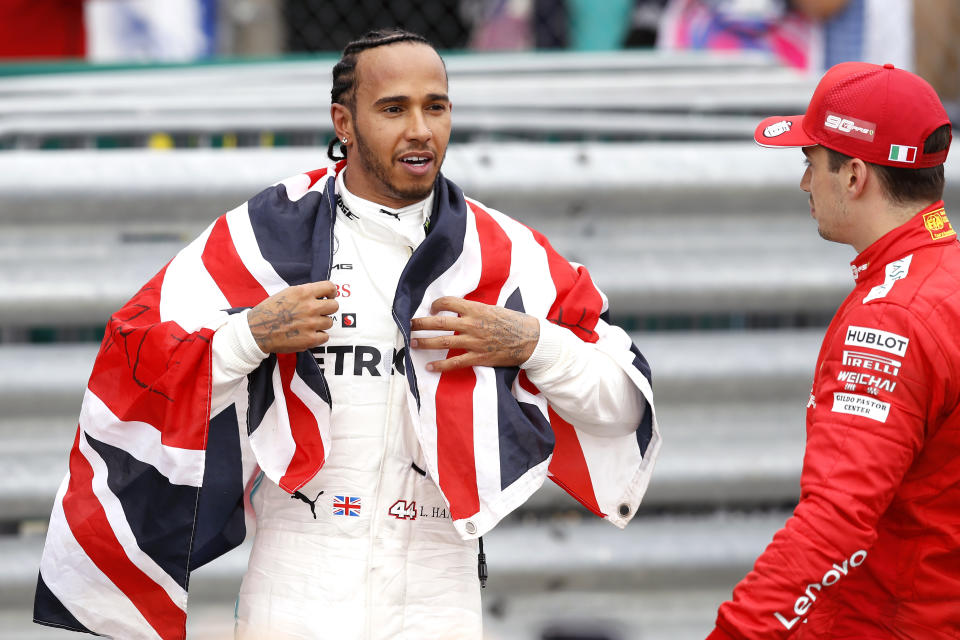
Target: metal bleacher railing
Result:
[637, 165]
[550, 94]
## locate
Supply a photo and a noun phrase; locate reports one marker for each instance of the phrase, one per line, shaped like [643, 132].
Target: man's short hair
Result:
[904, 185]
[345, 71]
[344, 86]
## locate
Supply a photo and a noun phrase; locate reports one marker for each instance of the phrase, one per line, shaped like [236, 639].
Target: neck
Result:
[363, 204]
[364, 190]
[881, 217]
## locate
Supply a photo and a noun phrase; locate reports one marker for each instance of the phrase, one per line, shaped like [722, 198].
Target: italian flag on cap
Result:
[899, 153]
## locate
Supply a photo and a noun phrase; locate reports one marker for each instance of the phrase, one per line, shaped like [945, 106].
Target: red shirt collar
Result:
[929, 226]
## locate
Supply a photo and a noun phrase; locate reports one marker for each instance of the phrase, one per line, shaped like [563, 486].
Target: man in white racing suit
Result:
[367, 548]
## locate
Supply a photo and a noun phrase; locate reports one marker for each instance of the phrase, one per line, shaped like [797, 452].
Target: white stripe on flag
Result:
[273, 442]
[188, 292]
[528, 259]
[245, 242]
[463, 275]
[142, 441]
[522, 395]
[612, 467]
[94, 600]
[121, 528]
[486, 434]
[616, 343]
[298, 186]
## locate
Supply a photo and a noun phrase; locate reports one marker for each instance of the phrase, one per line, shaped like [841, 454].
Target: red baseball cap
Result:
[879, 114]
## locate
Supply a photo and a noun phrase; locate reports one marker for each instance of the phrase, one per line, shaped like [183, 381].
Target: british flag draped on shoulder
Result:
[156, 483]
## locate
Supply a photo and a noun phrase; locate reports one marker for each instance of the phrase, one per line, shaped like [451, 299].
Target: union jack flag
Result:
[156, 480]
[346, 506]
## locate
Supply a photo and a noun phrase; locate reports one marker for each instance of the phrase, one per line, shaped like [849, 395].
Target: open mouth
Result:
[418, 164]
[415, 161]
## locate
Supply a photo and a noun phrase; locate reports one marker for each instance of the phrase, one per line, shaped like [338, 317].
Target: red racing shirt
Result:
[873, 548]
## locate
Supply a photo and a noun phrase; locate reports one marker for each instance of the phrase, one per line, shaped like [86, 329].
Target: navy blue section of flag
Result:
[160, 537]
[521, 449]
[260, 390]
[48, 610]
[525, 436]
[435, 255]
[309, 371]
[645, 430]
[284, 232]
[220, 520]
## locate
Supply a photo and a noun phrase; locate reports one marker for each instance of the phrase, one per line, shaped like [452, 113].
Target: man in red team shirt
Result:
[873, 548]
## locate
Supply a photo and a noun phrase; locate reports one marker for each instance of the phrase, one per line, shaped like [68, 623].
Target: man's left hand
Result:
[490, 336]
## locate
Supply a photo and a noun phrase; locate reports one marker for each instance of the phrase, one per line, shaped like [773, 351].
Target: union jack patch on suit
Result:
[346, 506]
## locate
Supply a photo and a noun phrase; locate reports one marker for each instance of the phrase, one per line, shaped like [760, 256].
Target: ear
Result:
[342, 121]
[855, 174]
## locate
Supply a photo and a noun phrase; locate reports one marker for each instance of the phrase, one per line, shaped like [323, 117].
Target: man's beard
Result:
[382, 174]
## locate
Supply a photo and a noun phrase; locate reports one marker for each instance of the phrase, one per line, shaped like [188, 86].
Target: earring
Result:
[343, 140]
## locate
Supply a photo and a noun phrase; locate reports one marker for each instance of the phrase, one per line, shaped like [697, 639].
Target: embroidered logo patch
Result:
[902, 153]
[777, 129]
[937, 223]
[346, 506]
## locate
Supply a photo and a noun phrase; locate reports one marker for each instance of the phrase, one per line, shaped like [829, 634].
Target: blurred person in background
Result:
[877, 31]
[770, 26]
[873, 547]
[580, 25]
[806, 34]
[378, 367]
[936, 24]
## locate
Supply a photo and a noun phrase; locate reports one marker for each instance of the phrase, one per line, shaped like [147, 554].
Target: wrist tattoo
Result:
[513, 336]
[267, 325]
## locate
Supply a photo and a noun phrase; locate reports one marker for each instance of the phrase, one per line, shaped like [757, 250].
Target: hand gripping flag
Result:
[155, 485]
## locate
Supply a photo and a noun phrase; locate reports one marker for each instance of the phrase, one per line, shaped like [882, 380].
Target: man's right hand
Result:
[295, 319]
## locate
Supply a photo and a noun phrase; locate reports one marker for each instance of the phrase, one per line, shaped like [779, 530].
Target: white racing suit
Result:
[367, 550]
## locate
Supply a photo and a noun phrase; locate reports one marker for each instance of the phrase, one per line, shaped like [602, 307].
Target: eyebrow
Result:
[431, 97]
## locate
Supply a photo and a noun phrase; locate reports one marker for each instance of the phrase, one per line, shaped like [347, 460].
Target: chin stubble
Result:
[383, 175]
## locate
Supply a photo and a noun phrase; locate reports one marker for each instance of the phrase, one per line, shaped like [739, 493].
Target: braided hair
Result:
[345, 71]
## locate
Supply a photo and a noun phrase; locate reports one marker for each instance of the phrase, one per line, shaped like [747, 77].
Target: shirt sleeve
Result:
[235, 354]
[583, 384]
[865, 426]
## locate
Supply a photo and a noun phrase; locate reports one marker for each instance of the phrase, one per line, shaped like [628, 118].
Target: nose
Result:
[417, 128]
[805, 180]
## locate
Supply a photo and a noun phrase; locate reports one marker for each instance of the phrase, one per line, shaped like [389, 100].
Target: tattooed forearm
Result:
[268, 323]
[295, 318]
[515, 334]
